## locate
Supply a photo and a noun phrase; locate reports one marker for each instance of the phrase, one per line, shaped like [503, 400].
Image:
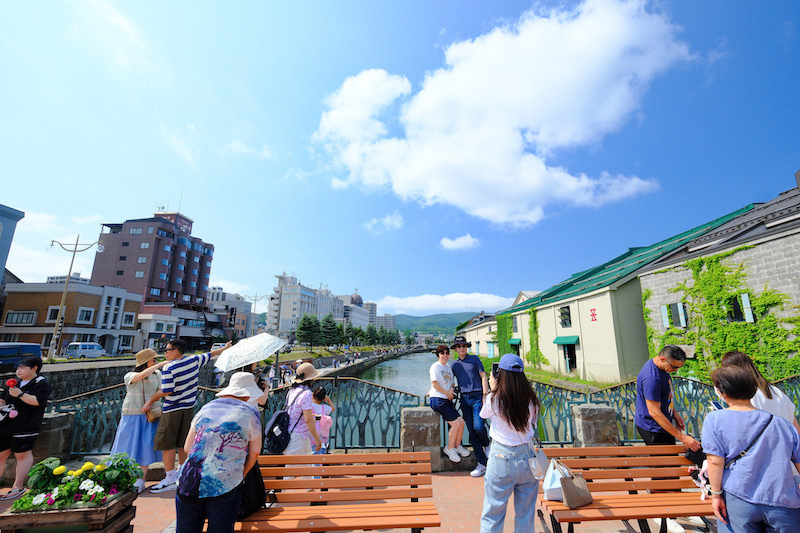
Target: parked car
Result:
[84, 350]
[218, 345]
[13, 352]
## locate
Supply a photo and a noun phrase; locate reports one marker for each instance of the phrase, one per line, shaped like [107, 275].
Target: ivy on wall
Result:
[651, 347]
[771, 341]
[503, 333]
[535, 355]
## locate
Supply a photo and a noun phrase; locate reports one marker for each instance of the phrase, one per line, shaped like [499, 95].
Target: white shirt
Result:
[503, 432]
[443, 375]
[780, 404]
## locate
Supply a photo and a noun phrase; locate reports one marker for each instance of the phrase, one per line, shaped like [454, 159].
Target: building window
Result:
[120, 272]
[181, 267]
[84, 337]
[159, 326]
[674, 315]
[165, 262]
[194, 271]
[150, 229]
[108, 300]
[139, 274]
[739, 309]
[10, 337]
[162, 276]
[178, 280]
[199, 300]
[136, 231]
[167, 248]
[206, 275]
[196, 259]
[52, 313]
[141, 260]
[155, 292]
[125, 341]
[125, 243]
[186, 297]
[170, 328]
[123, 257]
[85, 315]
[514, 327]
[144, 245]
[118, 302]
[193, 284]
[183, 253]
[127, 319]
[565, 317]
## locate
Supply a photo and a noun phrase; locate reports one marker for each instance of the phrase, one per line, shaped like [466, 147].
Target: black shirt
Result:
[29, 419]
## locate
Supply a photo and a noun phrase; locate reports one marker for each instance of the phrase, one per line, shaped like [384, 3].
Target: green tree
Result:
[309, 331]
[383, 336]
[372, 334]
[330, 335]
[340, 337]
[409, 337]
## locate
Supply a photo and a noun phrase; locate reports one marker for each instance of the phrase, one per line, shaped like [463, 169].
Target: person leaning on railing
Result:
[749, 454]
[136, 433]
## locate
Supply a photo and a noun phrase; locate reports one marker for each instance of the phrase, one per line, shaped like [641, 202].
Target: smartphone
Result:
[715, 406]
[495, 369]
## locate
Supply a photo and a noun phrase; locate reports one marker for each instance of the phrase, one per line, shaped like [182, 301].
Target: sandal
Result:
[14, 493]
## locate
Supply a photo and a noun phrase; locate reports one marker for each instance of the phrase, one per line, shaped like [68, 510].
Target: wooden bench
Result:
[624, 481]
[350, 494]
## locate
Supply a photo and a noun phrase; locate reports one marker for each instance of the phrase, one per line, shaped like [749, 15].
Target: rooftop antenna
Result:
[160, 208]
[180, 203]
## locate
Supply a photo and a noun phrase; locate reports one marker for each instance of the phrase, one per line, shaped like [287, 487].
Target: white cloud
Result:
[110, 32]
[465, 242]
[181, 141]
[479, 132]
[428, 304]
[240, 147]
[230, 286]
[386, 223]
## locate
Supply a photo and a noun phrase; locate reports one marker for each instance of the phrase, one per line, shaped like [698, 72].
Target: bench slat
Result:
[371, 518]
[350, 482]
[350, 458]
[354, 495]
[634, 513]
[634, 473]
[658, 484]
[627, 462]
[345, 470]
[616, 451]
[346, 510]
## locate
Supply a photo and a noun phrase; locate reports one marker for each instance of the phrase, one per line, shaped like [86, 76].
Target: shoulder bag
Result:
[563, 484]
[744, 452]
[154, 413]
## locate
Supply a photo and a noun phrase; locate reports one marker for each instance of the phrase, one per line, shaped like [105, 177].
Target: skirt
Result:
[135, 437]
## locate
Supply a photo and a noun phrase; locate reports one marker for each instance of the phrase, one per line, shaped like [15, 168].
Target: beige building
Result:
[482, 336]
[106, 315]
[591, 324]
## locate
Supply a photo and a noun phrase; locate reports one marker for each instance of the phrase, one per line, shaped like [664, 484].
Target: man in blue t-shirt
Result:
[656, 418]
[473, 384]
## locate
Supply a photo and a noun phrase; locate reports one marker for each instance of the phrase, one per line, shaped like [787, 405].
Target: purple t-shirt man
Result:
[653, 384]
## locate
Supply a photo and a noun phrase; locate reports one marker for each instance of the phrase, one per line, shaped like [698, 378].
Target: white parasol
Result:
[248, 351]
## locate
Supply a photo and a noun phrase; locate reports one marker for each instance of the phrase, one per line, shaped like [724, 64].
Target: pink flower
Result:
[51, 501]
[92, 498]
[103, 500]
[77, 497]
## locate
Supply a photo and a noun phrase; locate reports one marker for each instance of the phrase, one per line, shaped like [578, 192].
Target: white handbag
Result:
[539, 463]
[552, 482]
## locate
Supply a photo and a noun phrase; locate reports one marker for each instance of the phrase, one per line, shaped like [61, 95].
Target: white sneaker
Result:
[479, 471]
[452, 454]
[695, 520]
[463, 452]
[168, 483]
[139, 485]
[672, 525]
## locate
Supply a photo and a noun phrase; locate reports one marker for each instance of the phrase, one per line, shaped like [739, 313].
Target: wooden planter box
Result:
[112, 517]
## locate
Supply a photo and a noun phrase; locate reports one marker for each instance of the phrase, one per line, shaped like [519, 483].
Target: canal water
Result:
[409, 373]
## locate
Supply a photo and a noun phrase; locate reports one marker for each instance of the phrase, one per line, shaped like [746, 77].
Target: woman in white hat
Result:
[135, 432]
[247, 381]
[300, 400]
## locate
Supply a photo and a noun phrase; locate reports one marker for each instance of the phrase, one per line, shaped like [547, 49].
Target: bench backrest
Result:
[629, 468]
[355, 477]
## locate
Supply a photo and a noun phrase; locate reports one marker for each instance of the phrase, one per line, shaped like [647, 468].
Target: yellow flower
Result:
[100, 467]
[87, 465]
[71, 473]
[60, 470]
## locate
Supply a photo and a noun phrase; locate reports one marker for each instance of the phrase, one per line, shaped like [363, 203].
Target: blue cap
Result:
[511, 362]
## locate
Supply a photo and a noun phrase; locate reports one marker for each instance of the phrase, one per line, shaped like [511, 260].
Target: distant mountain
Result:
[441, 323]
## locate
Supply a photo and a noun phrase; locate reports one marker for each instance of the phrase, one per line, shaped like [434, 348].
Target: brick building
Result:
[107, 315]
[157, 258]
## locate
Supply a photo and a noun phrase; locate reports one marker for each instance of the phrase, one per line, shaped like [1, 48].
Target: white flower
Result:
[38, 499]
[97, 489]
[67, 478]
[87, 484]
[55, 493]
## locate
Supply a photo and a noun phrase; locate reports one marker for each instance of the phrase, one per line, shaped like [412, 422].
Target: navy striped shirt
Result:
[179, 379]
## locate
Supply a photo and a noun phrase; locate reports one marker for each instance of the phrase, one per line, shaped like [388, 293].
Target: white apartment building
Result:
[291, 300]
[74, 278]
[387, 321]
[372, 309]
[354, 312]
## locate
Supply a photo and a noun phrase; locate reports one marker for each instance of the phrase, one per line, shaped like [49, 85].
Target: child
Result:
[442, 393]
[322, 408]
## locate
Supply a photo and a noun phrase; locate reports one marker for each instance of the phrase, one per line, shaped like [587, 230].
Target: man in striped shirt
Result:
[179, 393]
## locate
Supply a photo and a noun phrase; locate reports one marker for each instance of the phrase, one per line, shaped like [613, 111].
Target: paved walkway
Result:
[458, 497]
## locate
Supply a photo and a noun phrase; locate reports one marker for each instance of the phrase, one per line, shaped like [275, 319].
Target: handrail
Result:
[95, 391]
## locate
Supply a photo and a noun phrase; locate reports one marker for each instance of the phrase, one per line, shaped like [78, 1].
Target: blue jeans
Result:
[221, 512]
[745, 517]
[471, 404]
[508, 472]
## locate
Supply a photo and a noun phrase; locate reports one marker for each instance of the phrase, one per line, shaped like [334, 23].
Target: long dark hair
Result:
[741, 359]
[515, 395]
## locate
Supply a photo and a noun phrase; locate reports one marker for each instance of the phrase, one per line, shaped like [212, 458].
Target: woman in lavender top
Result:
[300, 401]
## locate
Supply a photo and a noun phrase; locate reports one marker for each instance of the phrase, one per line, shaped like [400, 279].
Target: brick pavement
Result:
[458, 497]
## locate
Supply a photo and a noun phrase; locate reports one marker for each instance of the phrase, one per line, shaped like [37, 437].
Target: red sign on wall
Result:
[593, 313]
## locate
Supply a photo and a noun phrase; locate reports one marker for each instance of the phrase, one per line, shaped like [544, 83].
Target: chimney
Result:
[797, 178]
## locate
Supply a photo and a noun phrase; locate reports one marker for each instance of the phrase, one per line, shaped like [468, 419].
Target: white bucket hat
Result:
[242, 384]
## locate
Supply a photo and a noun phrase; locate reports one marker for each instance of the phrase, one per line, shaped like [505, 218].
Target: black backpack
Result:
[254, 495]
[277, 433]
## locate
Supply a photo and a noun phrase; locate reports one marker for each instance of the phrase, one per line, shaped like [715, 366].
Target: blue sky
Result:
[438, 156]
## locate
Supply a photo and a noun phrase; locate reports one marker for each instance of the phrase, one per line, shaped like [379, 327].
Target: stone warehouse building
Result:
[591, 323]
[764, 242]
[156, 257]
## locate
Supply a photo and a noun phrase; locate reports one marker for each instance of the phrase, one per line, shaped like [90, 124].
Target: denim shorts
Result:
[444, 408]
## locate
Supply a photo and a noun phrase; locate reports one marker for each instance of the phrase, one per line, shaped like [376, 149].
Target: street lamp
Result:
[255, 299]
[74, 248]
